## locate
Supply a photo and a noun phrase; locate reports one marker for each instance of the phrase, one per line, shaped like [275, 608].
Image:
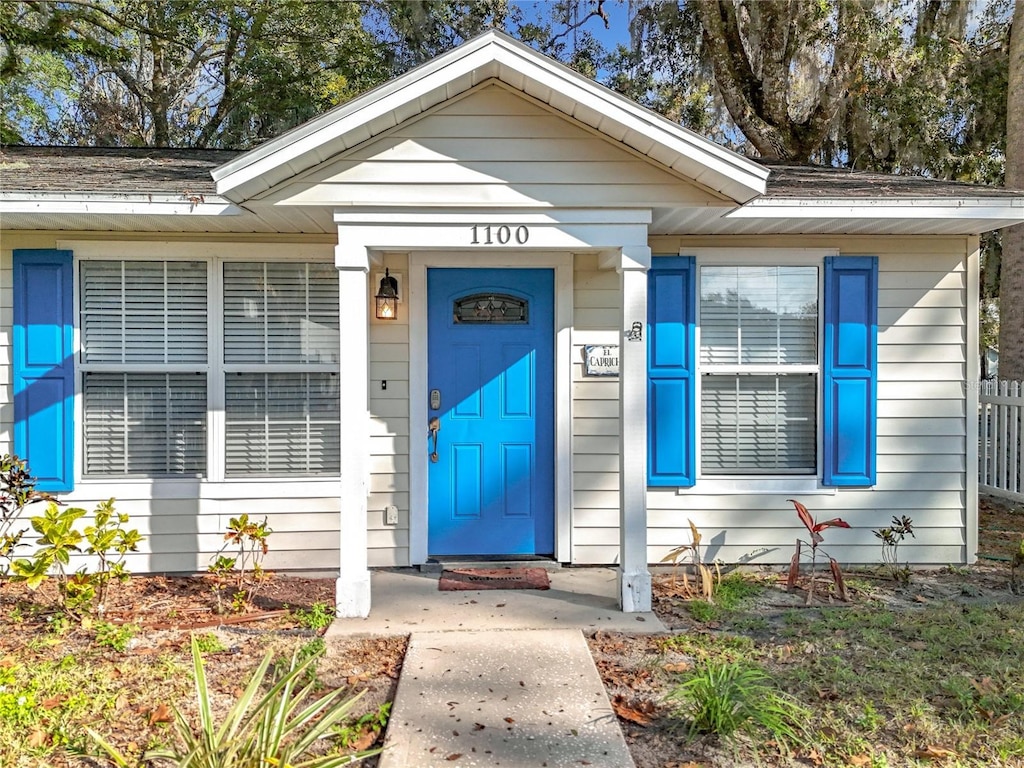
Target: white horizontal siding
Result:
[388, 545]
[922, 430]
[495, 147]
[184, 535]
[595, 401]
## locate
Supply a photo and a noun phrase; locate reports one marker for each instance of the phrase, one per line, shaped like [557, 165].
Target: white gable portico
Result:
[490, 157]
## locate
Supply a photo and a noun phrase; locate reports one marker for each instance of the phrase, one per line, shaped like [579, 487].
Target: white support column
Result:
[352, 589]
[635, 579]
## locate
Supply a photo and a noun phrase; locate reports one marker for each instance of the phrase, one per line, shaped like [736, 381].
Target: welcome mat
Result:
[493, 578]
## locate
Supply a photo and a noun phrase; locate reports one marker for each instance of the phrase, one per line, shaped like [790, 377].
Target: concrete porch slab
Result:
[405, 600]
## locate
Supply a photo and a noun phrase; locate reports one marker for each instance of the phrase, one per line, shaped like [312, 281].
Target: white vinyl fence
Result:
[1001, 431]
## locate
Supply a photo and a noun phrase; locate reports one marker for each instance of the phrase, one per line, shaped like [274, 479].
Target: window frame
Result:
[214, 255]
[755, 483]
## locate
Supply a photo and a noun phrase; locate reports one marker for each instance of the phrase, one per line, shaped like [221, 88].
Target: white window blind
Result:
[145, 424]
[282, 424]
[758, 315]
[759, 366]
[280, 313]
[143, 311]
[758, 424]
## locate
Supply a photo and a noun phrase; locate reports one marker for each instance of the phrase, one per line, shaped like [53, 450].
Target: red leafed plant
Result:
[815, 529]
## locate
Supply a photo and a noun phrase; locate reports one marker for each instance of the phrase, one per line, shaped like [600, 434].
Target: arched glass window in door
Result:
[493, 308]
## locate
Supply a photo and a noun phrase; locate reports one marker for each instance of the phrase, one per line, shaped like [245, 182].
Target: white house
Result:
[605, 326]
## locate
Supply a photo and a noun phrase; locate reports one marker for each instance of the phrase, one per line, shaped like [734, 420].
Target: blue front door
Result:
[491, 380]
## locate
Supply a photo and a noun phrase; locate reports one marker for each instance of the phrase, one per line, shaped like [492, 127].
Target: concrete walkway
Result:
[499, 677]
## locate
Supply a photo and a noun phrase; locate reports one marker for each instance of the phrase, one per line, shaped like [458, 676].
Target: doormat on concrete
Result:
[493, 578]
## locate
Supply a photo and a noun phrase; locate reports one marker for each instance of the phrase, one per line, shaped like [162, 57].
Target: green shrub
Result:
[319, 616]
[115, 636]
[107, 539]
[729, 698]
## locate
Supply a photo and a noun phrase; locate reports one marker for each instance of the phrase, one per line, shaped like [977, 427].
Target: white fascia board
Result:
[1011, 209]
[148, 205]
[252, 173]
[478, 60]
[725, 171]
[338, 114]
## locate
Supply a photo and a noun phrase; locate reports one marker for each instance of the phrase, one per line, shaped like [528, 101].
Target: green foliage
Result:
[58, 540]
[106, 539]
[208, 643]
[274, 722]
[115, 636]
[734, 590]
[17, 490]
[891, 537]
[318, 616]
[729, 698]
[248, 543]
[703, 611]
[372, 724]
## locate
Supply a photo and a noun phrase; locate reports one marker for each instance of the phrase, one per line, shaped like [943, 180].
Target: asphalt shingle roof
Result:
[142, 170]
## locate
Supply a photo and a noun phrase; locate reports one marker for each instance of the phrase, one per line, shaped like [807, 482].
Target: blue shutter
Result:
[671, 300]
[44, 383]
[850, 360]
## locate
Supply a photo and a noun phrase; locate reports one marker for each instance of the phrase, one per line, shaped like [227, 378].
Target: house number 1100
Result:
[502, 235]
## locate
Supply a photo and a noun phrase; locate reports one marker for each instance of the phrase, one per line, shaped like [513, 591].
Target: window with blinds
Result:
[143, 358]
[143, 312]
[759, 366]
[145, 424]
[281, 354]
[160, 348]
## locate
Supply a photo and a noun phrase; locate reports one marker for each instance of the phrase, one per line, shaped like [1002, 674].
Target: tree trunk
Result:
[1011, 283]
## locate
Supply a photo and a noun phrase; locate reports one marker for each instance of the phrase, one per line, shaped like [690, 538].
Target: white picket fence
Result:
[1001, 430]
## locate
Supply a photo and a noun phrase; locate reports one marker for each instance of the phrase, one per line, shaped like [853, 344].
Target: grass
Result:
[885, 686]
[730, 594]
[724, 699]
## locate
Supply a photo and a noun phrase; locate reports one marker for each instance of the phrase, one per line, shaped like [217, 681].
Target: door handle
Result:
[433, 427]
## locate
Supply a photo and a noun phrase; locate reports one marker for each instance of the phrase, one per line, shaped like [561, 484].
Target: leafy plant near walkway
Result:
[815, 528]
[317, 617]
[706, 579]
[726, 698]
[275, 722]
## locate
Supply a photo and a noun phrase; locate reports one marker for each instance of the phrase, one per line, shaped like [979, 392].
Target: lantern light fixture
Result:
[387, 297]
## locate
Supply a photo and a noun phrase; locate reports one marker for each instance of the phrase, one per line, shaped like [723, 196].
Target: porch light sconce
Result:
[387, 297]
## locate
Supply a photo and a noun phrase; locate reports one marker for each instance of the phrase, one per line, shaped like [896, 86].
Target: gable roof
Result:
[492, 55]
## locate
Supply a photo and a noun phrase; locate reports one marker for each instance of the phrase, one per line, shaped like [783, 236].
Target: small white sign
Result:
[601, 359]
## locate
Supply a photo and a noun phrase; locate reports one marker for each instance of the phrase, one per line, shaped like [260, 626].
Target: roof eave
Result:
[121, 204]
[879, 208]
